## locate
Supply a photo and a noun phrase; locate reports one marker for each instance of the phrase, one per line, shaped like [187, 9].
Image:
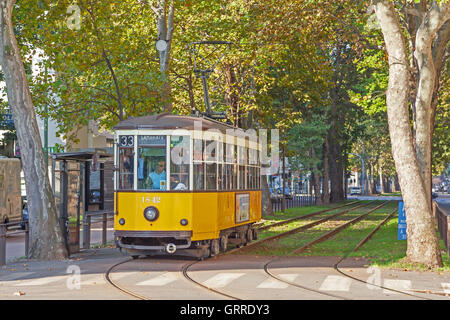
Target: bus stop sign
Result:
[401, 235]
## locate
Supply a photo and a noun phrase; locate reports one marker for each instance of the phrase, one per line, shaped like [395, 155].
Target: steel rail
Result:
[304, 216]
[359, 245]
[267, 270]
[185, 273]
[335, 230]
[120, 288]
[295, 230]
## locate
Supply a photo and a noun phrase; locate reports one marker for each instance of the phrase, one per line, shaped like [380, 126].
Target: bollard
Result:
[27, 238]
[87, 232]
[104, 229]
[2, 244]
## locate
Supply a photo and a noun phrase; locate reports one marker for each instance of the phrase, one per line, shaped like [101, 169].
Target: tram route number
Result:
[151, 199]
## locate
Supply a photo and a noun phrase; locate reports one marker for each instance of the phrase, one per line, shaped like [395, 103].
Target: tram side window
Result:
[250, 178]
[242, 172]
[126, 168]
[152, 163]
[199, 165]
[221, 177]
[211, 174]
[258, 178]
[199, 176]
[211, 154]
[230, 167]
[179, 163]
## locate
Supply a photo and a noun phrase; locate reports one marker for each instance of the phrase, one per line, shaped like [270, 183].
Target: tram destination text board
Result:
[242, 207]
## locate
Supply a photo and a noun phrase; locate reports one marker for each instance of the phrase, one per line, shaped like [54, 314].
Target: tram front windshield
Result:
[151, 166]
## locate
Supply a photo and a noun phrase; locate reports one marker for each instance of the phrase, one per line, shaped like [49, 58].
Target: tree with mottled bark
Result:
[414, 81]
[46, 239]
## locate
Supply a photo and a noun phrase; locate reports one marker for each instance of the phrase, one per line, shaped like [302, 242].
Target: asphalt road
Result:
[443, 199]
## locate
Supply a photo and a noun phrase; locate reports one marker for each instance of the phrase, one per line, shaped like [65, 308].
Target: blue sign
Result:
[6, 120]
[401, 235]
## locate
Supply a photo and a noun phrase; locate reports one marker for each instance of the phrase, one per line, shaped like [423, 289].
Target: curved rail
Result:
[359, 245]
[185, 270]
[120, 288]
[327, 235]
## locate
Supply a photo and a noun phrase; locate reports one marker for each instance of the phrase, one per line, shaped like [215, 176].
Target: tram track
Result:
[108, 279]
[296, 230]
[358, 246]
[187, 266]
[309, 215]
[336, 265]
[317, 240]
[183, 271]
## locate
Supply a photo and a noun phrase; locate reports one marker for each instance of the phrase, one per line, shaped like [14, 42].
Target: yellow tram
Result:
[184, 184]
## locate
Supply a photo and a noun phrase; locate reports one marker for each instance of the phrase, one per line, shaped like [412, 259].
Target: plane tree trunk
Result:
[46, 239]
[413, 168]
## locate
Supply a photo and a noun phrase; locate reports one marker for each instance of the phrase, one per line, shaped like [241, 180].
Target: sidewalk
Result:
[82, 277]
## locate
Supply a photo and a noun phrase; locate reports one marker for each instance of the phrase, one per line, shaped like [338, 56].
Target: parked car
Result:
[355, 190]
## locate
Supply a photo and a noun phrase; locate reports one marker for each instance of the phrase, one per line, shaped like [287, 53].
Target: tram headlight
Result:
[183, 222]
[151, 213]
[122, 221]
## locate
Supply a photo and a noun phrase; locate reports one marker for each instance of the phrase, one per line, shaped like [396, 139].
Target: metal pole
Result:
[2, 244]
[104, 229]
[46, 138]
[53, 175]
[87, 230]
[63, 214]
[27, 238]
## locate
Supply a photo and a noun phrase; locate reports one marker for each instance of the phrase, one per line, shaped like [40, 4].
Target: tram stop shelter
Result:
[83, 187]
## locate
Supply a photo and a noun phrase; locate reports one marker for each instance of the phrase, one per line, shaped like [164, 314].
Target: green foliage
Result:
[106, 70]
[306, 142]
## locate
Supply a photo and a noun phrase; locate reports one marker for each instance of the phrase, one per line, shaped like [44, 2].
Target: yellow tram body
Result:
[221, 198]
[210, 212]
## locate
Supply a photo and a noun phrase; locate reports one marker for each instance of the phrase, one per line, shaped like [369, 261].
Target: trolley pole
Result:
[204, 77]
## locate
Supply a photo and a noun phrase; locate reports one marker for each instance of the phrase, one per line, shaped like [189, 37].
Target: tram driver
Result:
[158, 176]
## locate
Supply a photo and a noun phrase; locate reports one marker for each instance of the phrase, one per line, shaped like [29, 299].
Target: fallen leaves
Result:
[19, 293]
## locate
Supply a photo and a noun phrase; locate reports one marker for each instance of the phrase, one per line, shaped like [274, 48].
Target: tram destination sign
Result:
[157, 140]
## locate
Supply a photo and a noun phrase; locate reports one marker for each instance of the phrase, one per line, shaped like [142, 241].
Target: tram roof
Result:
[164, 121]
